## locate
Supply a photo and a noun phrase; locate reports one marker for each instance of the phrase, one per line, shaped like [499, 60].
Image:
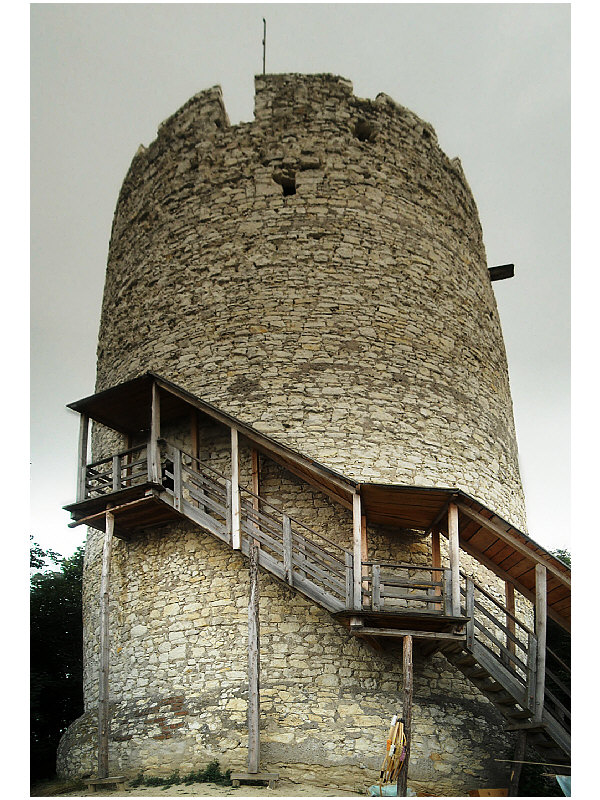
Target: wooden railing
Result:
[511, 642]
[291, 550]
[303, 553]
[557, 694]
[119, 471]
[390, 586]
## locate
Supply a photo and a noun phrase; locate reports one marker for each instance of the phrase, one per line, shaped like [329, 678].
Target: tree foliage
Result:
[56, 653]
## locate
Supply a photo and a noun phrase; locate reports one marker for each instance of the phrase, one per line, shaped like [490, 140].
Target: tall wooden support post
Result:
[407, 676]
[103, 711]
[253, 663]
[540, 632]
[509, 594]
[84, 424]
[236, 535]
[515, 773]
[436, 563]
[454, 559]
[153, 455]
[357, 549]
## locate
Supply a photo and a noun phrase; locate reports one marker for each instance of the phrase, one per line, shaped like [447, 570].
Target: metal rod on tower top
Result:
[264, 42]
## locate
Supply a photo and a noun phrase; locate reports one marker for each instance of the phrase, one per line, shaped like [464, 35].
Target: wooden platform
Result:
[99, 783]
[265, 777]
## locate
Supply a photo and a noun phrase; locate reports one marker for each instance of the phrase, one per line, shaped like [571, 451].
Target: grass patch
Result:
[210, 774]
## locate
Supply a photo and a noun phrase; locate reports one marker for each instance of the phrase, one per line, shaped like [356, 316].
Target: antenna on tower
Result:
[264, 42]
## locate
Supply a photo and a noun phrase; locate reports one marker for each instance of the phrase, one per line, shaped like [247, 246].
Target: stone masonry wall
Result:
[320, 274]
[178, 680]
[353, 320]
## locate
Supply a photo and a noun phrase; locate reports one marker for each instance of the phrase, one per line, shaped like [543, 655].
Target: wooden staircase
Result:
[488, 643]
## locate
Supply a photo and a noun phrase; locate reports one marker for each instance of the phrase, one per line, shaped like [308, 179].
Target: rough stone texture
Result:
[353, 321]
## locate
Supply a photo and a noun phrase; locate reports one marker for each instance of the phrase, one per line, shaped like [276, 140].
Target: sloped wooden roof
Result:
[493, 541]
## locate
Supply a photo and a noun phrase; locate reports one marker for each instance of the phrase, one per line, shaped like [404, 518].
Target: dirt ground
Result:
[283, 789]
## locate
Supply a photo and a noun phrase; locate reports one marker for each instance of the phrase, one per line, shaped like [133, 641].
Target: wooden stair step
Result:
[466, 661]
[506, 700]
[519, 715]
[492, 687]
[476, 673]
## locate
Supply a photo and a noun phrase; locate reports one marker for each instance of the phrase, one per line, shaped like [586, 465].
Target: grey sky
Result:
[493, 79]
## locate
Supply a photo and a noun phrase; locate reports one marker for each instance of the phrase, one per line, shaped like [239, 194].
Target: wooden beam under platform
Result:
[396, 633]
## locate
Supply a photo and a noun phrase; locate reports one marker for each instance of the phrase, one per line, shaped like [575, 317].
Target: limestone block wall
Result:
[320, 274]
[353, 320]
[178, 685]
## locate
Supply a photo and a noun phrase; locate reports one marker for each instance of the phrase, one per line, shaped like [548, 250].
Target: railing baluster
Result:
[470, 611]
[229, 521]
[177, 479]
[287, 549]
[116, 473]
[447, 593]
[375, 587]
[349, 585]
[531, 670]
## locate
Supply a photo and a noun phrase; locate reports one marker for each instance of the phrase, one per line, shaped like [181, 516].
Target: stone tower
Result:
[319, 274]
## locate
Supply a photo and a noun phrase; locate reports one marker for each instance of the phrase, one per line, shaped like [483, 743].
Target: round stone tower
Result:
[319, 274]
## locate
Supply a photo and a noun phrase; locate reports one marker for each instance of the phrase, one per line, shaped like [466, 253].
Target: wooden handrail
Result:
[492, 599]
[120, 454]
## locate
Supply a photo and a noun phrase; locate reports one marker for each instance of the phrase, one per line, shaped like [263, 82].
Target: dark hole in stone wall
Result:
[287, 181]
[364, 131]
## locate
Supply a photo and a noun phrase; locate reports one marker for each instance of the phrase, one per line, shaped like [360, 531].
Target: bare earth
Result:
[284, 789]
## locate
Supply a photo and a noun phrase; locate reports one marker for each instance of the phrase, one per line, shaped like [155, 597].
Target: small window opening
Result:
[287, 181]
[364, 131]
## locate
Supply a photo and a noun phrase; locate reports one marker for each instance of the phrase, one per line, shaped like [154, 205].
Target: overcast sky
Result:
[493, 80]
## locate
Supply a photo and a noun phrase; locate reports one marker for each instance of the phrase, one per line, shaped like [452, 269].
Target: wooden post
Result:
[531, 670]
[454, 558]
[84, 424]
[515, 774]
[436, 563]
[349, 581]
[540, 632]
[255, 487]
[376, 588]
[236, 537]
[194, 436]
[153, 457]
[357, 543]
[116, 473]
[365, 552]
[287, 549]
[470, 611]
[177, 489]
[228, 511]
[253, 663]
[103, 710]
[447, 580]
[407, 675]
[509, 594]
